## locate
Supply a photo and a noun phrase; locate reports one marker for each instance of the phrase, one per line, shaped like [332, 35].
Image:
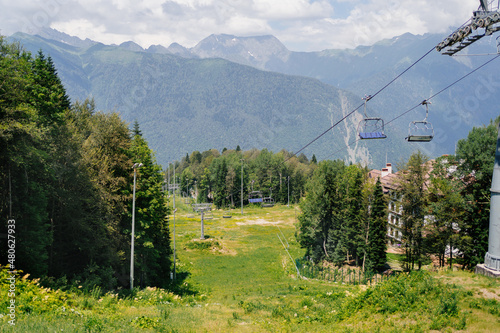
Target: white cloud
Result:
[300, 24]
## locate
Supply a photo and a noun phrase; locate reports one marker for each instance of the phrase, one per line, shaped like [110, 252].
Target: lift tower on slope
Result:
[484, 22]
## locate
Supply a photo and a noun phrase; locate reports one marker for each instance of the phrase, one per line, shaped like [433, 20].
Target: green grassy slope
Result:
[244, 281]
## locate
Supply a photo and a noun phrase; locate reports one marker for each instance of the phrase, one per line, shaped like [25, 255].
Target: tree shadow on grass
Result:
[180, 287]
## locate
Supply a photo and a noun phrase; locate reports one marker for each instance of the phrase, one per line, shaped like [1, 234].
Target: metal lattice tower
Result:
[484, 22]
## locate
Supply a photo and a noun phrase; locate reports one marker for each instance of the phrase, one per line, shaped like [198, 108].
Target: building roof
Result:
[389, 180]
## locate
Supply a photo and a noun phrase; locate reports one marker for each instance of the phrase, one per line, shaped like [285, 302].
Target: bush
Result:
[207, 244]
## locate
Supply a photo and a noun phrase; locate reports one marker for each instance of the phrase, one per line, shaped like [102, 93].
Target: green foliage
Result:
[218, 177]
[477, 155]
[65, 175]
[203, 244]
[404, 293]
[447, 206]
[333, 225]
[413, 193]
[376, 246]
[144, 322]
[152, 231]
[93, 324]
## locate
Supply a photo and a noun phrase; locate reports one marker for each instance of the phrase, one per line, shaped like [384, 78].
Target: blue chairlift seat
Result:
[371, 128]
[255, 197]
[372, 135]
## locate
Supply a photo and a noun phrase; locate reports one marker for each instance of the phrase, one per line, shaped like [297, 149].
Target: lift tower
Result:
[484, 22]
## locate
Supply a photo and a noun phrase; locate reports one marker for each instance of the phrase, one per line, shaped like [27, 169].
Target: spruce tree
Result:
[152, 234]
[412, 189]
[377, 239]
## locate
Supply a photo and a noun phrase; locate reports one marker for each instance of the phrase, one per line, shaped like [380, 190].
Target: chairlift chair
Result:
[370, 127]
[421, 131]
[227, 213]
[255, 197]
[268, 202]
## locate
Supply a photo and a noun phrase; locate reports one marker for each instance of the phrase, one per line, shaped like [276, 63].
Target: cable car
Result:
[371, 128]
[255, 197]
[421, 131]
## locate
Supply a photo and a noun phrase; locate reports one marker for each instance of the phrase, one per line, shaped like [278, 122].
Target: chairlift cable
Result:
[416, 106]
[371, 97]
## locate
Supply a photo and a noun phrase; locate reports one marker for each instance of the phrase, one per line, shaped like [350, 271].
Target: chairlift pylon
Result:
[421, 131]
[371, 127]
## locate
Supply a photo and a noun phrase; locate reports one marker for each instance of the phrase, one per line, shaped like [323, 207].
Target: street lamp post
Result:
[288, 204]
[241, 187]
[135, 167]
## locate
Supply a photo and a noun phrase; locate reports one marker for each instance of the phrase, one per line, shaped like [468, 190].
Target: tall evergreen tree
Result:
[412, 189]
[48, 94]
[136, 130]
[377, 240]
[350, 188]
[447, 206]
[152, 232]
[318, 231]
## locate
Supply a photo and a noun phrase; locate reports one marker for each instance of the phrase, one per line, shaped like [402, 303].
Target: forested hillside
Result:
[186, 104]
[66, 181]
[213, 176]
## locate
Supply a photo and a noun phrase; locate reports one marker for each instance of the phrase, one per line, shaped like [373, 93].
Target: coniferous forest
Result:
[66, 175]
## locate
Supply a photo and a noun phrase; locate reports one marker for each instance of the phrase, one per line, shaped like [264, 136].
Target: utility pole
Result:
[288, 205]
[135, 167]
[173, 187]
[241, 186]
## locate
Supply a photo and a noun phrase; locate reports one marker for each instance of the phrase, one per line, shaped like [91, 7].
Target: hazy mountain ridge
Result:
[185, 104]
[203, 102]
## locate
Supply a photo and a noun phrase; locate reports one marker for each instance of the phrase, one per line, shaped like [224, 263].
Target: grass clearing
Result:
[241, 279]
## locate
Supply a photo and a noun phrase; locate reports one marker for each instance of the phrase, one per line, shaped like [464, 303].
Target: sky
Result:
[302, 25]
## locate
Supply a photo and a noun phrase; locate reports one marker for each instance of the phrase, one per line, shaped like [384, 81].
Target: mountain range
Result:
[254, 92]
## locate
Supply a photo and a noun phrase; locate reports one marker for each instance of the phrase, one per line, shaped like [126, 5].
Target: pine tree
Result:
[350, 188]
[412, 189]
[377, 240]
[447, 206]
[47, 93]
[152, 229]
[136, 130]
[318, 229]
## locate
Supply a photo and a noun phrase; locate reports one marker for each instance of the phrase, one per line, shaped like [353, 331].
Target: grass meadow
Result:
[241, 279]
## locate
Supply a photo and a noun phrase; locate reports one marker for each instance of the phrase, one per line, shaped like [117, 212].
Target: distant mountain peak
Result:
[131, 46]
[255, 51]
[62, 37]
